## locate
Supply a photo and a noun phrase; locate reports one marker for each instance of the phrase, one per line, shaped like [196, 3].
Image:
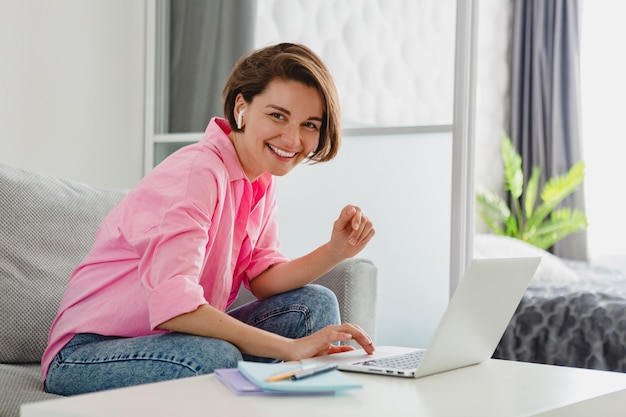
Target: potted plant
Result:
[538, 222]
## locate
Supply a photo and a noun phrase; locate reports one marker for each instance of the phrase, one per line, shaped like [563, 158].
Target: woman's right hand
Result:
[322, 342]
[352, 231]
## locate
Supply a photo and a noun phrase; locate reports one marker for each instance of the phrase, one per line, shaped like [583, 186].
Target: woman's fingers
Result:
[348, 331]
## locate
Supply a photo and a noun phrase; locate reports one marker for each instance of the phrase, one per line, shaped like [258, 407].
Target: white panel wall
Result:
[402, 182]
[72, 88]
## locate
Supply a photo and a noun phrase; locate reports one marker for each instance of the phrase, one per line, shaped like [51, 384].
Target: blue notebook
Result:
[331, 381]
[240, 385]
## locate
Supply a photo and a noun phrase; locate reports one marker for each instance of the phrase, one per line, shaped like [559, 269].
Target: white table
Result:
[493, 388]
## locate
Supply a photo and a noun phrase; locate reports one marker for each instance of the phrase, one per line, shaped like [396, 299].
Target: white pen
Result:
[314, 371]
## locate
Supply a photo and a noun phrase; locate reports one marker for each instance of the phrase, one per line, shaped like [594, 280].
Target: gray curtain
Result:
[545, 122]
[207, 37]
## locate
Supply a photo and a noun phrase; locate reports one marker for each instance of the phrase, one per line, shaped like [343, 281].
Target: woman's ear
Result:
[238, 110]
[240, 119]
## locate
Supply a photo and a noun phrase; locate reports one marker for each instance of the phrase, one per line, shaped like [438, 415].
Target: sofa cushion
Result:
[47, 225]
[20, 384]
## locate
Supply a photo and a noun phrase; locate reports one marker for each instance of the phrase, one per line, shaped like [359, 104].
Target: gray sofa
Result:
[46, 227]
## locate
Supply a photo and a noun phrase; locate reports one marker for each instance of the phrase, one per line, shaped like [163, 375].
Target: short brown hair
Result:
[287, 61]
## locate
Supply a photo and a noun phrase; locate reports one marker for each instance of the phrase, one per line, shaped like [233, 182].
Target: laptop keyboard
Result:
[408, 360]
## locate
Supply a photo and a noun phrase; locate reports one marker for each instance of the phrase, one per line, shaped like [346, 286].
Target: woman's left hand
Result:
[352, 231]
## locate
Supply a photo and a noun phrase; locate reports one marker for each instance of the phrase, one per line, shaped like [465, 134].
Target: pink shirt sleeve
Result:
[172, 256]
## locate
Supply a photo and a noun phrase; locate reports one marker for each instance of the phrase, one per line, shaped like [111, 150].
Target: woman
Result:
[148, 302]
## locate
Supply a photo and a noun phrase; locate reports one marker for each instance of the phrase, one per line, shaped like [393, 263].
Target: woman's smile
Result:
[280, 152]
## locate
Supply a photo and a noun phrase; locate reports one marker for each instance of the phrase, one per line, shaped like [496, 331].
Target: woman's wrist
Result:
[331, 255]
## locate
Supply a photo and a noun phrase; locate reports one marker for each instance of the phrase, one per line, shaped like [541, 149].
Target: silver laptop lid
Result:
[478, 313]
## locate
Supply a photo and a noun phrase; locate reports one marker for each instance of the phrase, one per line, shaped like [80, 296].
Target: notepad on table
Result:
[331, 381]
[240, 385]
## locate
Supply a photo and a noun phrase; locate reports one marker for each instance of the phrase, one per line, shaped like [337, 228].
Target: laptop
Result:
[469, 331]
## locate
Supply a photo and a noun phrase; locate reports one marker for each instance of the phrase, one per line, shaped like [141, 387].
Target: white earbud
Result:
[240, 119]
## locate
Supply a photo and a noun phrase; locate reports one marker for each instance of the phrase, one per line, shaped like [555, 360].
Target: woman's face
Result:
[281, 127]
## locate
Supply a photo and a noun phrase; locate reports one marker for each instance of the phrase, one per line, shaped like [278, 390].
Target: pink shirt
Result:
[190, 233]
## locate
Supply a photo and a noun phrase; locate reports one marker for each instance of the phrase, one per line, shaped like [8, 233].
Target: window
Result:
[603, 65]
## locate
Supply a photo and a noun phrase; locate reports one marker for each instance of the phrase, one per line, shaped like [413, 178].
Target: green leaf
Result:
[512, 227]
[561, 223]
[513, 174]
[493, 210]
[541, 224]
[530, 196]
[561, 186]
[555, 190]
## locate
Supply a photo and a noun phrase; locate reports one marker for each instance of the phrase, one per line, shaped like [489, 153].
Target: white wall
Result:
[72, 88]
[402, 182]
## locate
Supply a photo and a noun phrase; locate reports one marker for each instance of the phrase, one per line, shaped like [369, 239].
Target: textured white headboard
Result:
[393, 61]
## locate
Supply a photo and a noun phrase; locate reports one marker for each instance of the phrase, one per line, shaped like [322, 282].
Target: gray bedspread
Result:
[581, 324]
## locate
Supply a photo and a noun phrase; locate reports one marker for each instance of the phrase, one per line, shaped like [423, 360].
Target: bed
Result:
[572, 314]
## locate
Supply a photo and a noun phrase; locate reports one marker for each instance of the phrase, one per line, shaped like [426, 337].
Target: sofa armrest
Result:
[354, 283]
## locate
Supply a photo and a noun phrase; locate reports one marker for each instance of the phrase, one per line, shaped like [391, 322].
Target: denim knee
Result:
[322, 305]
[292, 314]
[93, 363]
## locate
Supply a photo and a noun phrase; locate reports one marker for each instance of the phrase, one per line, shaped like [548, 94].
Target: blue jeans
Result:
[91, 362]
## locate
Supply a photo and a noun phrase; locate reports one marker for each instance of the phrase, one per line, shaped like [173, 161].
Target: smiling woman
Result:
[297, 67]
[283, 107]
[281, 128]
[171, 257]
